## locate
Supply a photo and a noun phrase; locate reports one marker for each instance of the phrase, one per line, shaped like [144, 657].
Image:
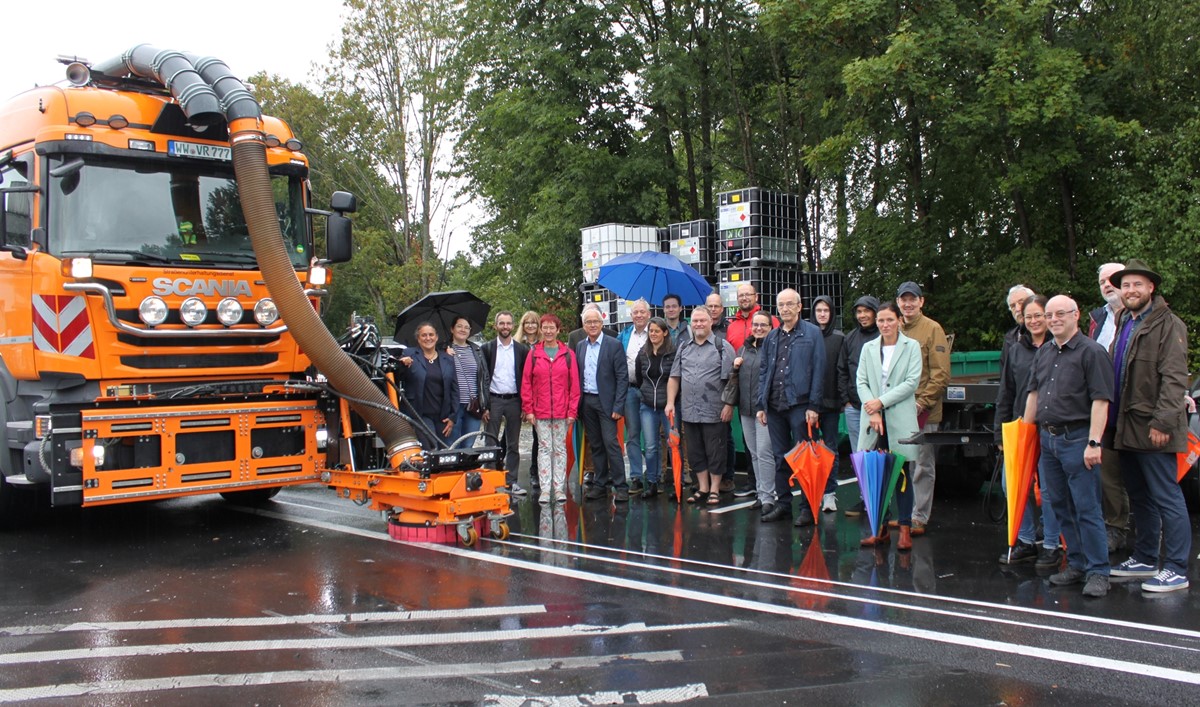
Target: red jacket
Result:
[739, 327]
[550, 389]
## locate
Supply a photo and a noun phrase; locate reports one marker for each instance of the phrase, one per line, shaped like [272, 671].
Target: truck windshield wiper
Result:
[244, 257]
[133, 255]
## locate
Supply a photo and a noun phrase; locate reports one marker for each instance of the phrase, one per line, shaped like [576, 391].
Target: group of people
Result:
[1108, 405]
[1111, 405]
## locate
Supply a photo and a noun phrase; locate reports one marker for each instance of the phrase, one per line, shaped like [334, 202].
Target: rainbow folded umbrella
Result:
[878, 472]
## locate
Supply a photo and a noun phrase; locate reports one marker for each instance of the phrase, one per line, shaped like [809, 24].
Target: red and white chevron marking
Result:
[61, 325]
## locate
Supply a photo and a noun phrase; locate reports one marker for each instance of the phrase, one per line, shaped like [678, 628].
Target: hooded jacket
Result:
[831, 401]
[847, 362]
[1153, 380]
[551, 389]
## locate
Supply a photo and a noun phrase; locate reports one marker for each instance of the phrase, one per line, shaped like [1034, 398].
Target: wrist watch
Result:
[1093, 443]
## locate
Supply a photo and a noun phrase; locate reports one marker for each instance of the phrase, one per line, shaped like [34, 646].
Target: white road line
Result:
[989, 606]
[664, 695]
[747, 504]
[303, 619]
[420, 672]
[861, 600]
[355, 643]
[1024, 651]
[720, 600]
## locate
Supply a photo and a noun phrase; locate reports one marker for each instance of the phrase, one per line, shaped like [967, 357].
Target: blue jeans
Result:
[787, 428]
[633, 432]
[1074, 493]
[1157, 502]
[1051, 531]
[464, 424]
[436, 427]
[655, 427]
[853, 420]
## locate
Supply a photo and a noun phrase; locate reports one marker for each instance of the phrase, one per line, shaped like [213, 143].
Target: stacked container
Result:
[693, 242]
[600, 244]
[757, 226]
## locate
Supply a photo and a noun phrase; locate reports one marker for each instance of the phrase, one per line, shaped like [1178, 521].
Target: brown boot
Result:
[905, 541]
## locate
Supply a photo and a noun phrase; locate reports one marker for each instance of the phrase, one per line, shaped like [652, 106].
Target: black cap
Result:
[909, 288]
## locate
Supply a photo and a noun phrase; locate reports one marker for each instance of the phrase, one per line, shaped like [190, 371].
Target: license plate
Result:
[178, 148]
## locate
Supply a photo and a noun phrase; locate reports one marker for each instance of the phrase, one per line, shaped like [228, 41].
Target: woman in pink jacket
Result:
[550, 401]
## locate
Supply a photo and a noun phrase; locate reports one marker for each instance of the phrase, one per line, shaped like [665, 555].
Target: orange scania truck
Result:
[160, 332]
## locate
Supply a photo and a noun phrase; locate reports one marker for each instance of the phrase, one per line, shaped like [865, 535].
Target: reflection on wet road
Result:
[307, 601]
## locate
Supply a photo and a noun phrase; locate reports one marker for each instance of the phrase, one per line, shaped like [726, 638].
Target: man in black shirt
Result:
[1070, 387]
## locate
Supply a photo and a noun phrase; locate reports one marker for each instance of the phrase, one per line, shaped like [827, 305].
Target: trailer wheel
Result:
[254, 497]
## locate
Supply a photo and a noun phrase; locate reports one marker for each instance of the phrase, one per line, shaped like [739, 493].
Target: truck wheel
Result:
[254, 497]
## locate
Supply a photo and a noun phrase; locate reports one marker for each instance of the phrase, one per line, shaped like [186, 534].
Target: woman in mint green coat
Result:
[889, 371]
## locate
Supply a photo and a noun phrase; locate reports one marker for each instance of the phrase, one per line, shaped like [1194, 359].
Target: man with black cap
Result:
[1147, 424]
[935, 376]
[865, 308]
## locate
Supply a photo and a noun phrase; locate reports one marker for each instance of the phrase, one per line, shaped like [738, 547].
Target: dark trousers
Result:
[706, 446]
[510, 410]
[829, 435]
[787, 428]
[1157, 502]
[601, 432]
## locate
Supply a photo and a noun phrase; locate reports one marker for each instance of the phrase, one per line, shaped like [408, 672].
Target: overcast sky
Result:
[283, 38]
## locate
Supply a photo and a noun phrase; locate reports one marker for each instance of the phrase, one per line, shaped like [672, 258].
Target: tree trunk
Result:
[1064, 186]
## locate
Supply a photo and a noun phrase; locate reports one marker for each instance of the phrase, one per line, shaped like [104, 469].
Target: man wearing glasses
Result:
[1070, 386]
[790, 380]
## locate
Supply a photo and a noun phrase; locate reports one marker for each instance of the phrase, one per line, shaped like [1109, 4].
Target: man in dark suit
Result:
[604, 378]
[505, 360]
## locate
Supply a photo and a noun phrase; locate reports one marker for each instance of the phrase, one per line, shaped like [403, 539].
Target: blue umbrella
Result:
[653, 275]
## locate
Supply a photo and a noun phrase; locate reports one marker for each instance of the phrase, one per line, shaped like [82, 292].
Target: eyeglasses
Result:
[789, 305]
[1034, 317]
[760, 325]
[1061, 314]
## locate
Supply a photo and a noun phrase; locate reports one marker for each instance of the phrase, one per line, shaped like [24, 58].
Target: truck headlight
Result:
[265, 312]
[193, 311]
[229, 311]
[152, 311]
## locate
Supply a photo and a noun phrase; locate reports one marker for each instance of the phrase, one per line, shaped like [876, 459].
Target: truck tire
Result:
[254, 497]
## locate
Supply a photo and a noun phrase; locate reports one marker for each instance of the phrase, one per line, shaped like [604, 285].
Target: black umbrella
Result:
[441, 309]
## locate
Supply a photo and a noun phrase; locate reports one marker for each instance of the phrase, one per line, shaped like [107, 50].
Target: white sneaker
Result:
[544, 499]
[560, 498]
[829, 503]
[516, 490]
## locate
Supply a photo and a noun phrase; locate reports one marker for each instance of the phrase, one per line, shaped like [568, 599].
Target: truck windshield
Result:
[185, 213]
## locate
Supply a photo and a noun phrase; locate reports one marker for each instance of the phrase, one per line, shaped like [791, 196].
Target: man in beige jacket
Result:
[935, 376]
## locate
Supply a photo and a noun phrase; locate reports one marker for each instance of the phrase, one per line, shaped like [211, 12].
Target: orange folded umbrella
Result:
[1186, 460]
[1021, 451]
[811, 462]
[676, 463]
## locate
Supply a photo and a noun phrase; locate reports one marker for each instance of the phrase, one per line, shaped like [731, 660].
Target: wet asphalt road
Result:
[307, 601]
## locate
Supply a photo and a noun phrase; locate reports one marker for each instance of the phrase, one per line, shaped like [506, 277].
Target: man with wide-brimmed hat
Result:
[1148, 425]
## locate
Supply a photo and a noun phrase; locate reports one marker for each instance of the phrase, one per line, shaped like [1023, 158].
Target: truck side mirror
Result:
[339, 240]
[343, 202]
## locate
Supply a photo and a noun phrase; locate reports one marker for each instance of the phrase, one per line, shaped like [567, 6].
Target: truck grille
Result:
[207, 360]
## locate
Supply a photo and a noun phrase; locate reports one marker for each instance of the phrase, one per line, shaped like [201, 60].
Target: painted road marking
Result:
[665, 695]
[1003, 647]
[419, 672]
[353, 643]
[303, 619]
[989, 606]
